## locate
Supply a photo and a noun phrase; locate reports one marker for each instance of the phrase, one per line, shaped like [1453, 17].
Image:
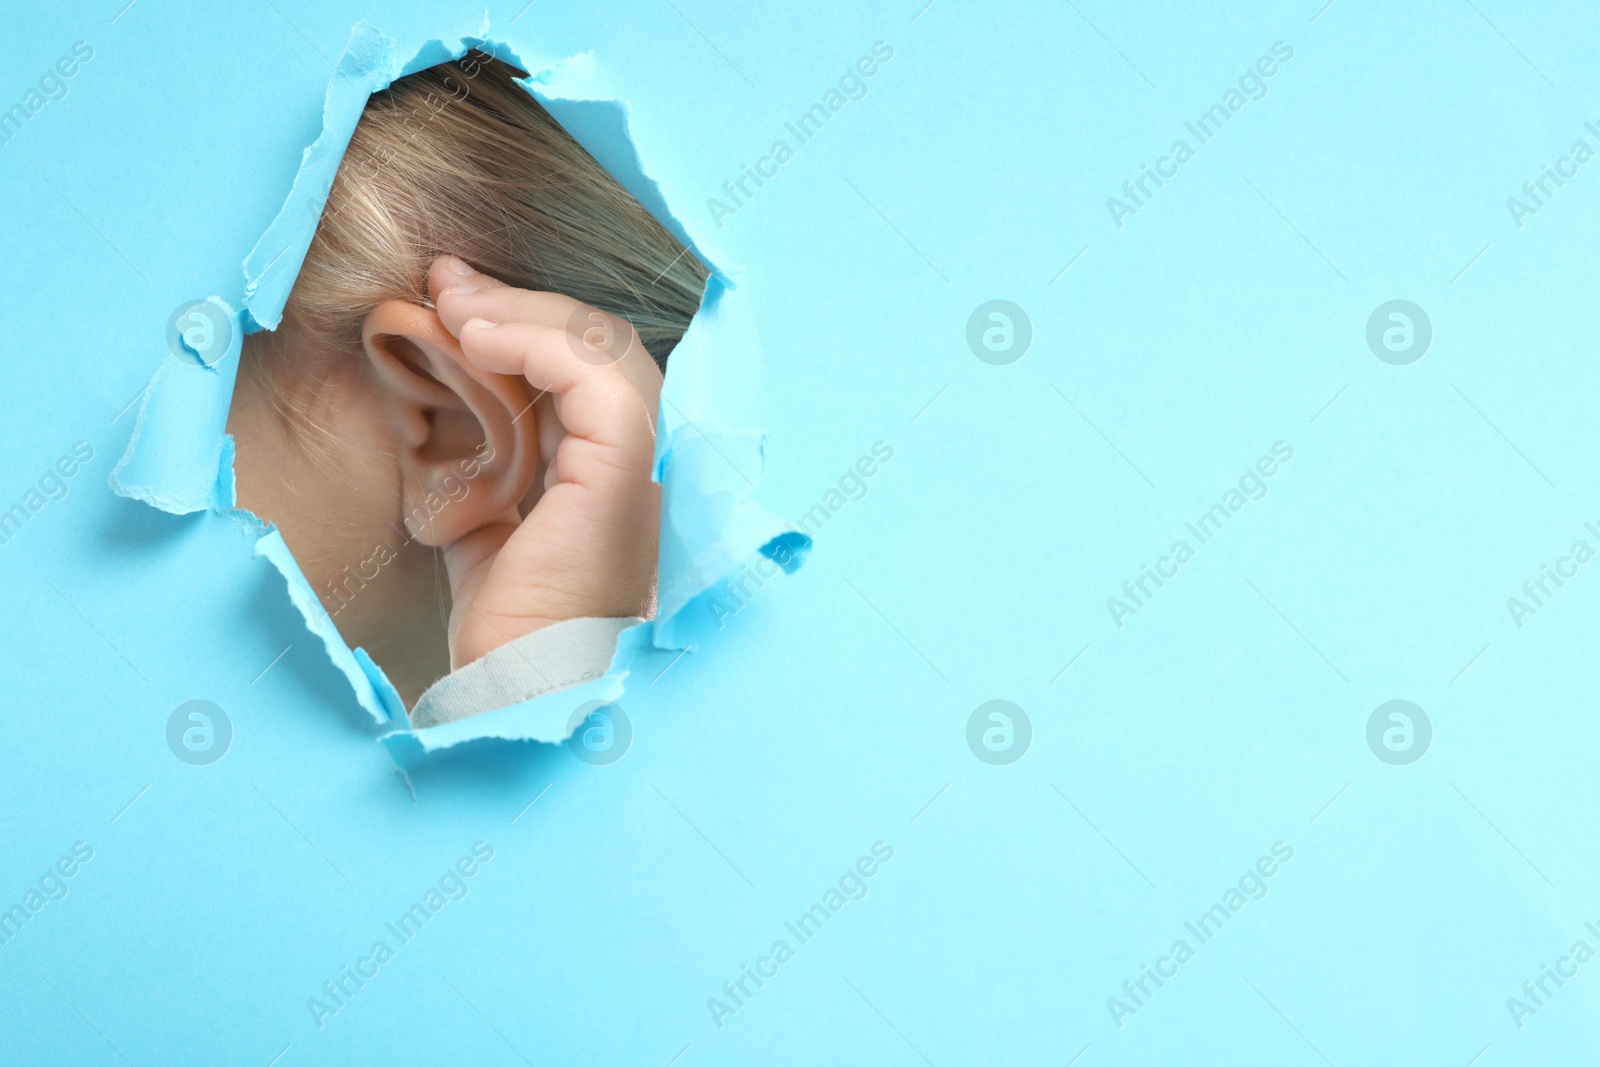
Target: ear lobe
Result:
[467, 440]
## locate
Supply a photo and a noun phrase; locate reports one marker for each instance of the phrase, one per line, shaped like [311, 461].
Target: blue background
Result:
[830, 713]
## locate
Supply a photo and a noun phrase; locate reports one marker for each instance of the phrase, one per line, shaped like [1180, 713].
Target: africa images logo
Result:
[999, 732]
[199, 733]
[1399, 732]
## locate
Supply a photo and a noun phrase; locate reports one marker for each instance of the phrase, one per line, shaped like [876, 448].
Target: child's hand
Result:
[588, 547]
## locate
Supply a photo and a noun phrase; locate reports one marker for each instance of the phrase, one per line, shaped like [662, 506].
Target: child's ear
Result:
[467, 442]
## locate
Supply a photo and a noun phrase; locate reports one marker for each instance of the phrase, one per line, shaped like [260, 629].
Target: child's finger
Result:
[597, 402]
[505, 304]
[594, 335]
[452, 272]
[460, 293]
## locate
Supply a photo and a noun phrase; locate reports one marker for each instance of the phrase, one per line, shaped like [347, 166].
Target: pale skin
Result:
[557, 519]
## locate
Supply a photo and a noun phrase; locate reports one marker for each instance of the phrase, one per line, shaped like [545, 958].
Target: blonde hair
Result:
[461, 159]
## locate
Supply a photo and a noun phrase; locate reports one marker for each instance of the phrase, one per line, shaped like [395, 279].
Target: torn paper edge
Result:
[179, 444]
[548, 719]
[372, 687]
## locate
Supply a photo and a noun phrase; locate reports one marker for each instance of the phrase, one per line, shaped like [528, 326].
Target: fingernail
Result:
[460, 290]
[477, 324]
[455, 266]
